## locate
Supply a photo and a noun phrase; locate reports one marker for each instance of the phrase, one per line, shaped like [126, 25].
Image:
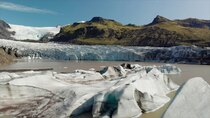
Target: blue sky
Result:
[60, 12]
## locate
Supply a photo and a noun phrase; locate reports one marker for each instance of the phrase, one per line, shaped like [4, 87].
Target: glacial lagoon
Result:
[188, 71]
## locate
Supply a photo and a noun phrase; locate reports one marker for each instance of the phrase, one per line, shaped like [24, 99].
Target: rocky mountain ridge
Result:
[4, 33]
[161, 32]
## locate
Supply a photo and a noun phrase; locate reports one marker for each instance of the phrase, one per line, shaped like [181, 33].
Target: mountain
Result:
[160, 32]
[159, 19]
[195, 23]
[4, 33]
[96, 31]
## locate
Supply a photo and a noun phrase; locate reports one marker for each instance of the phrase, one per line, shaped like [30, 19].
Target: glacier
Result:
[61, 95]
[179, 54]
[31, 33]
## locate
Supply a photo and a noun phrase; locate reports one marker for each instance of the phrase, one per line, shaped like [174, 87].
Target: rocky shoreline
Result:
[8, 54]
[5, 58]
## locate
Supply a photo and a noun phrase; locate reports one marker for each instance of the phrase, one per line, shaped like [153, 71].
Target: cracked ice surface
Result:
[111, 92]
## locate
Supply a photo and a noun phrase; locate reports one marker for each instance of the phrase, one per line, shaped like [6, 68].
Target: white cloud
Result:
[22, 8]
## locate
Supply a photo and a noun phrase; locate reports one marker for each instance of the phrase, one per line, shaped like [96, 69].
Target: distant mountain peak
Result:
[102, 20]
[194, 22]
[97, 19]
[159, 19]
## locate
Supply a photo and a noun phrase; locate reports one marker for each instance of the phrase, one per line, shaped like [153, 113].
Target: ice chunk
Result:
[6, 77]
[192, 100]
[25, 101]
[113, 72]
[80, 76]
[114, 103]
[71, 94]
[166, 69]
[45, 81]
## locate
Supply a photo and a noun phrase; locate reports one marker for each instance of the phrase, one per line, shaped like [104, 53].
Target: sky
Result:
[61, 12]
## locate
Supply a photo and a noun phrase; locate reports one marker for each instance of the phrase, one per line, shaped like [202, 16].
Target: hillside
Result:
[161, 32]
[4, 33]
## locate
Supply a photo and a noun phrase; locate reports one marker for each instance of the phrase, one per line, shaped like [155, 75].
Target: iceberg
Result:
[113, 72]
[50, 94]
[25, 101]
[192, 100]
[167, 69]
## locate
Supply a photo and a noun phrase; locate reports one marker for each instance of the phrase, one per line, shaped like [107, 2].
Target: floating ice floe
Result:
[167, 69]
[113, 72]
[117, 92]
[191, 101]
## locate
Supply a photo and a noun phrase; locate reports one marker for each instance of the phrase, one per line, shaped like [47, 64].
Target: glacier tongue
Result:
[51, 95]
[32, 33]
[182, 54]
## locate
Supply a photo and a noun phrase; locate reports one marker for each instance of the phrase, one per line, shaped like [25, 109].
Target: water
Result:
[188, 71]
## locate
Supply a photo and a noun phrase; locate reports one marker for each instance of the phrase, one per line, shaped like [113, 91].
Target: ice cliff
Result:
[181, 54]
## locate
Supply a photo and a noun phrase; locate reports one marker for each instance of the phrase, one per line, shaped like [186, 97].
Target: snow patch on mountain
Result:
[32, 33]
